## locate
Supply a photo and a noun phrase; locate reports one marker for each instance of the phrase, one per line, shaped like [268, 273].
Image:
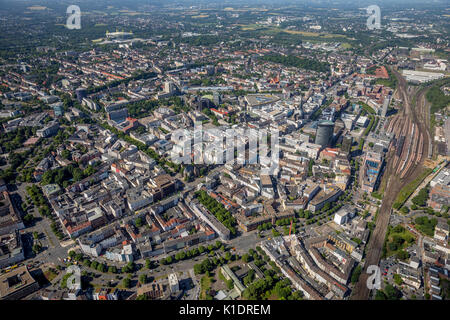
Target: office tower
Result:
[386, 102]
[324, 133]
[81, 93]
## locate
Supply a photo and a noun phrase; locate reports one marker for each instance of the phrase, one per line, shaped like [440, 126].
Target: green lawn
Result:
[205, 285]
[408, 190]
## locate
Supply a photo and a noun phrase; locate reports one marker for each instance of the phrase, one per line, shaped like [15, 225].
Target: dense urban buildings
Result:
[257, 151]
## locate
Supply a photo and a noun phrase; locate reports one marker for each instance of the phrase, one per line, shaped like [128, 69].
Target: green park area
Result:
[425, 225]
[390, 292]
[397, 240]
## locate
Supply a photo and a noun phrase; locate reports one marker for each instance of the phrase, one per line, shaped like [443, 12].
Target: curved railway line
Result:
[403, 165]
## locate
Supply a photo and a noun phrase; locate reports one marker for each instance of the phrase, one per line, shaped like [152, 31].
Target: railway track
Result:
[402, 124]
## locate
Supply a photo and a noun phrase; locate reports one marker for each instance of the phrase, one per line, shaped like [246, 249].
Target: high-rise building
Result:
[90, 104]
[372, 166]
[118, 115]
[217, 99]
[386, 102]
[169, 87]
[50, 129]
[81, 93]
[324, 133]
[203, 103]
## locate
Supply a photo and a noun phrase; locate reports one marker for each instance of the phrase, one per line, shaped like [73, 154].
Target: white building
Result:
[311, 149]
[90, 104]
[340, 218]
[173, 283]
[436, 65]
[420, 76]
[138, 198]
[343, 216]
[362, 121]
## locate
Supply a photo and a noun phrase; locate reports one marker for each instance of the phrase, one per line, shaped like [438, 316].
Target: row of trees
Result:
[370, 126]
[208, 265]
[189, 254]
[218, 210]
[355, 275]
[62, 176]
[328, 209]
[366, 107]
[265, 226]
[408, 190]
[130, 267]
[37, 197]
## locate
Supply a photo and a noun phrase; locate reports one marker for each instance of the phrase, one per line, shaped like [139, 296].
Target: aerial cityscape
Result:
[224, 150]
